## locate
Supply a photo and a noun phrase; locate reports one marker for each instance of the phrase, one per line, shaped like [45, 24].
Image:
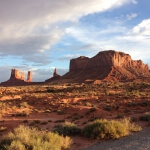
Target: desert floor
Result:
[46, 106]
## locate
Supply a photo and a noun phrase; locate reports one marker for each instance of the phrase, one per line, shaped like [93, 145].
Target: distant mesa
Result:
[55, 77]
[106, 65]
[17, 78]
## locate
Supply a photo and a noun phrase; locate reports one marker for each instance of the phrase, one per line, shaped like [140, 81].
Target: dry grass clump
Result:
[25, 138]
[104, 129]
[2, 128]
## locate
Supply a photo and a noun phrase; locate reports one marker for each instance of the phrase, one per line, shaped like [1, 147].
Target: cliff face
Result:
[15, 74]
[107, 65]
[29, 77]
[17, 78]
[78, 63]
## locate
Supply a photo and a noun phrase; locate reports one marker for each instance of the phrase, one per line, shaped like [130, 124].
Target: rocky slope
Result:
[108, 65]
[55, 77]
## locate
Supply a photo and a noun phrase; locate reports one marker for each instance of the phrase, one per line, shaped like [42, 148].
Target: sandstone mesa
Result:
[105, 66]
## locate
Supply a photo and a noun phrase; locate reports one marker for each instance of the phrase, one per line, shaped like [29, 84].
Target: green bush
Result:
[25, 138]
[104, 129]
[68, 128]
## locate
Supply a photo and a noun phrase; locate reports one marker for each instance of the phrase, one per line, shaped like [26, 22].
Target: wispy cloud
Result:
[142, 28]
[32, 28]
[131, 16]
[135, 41]
[134, 1]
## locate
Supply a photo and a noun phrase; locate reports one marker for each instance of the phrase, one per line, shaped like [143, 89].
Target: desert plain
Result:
[46, 106]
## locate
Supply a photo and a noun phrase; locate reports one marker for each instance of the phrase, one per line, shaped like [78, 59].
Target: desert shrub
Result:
[130, 126]
[104, 129]
[58, 121]
[25, 121]
[93, 109]
[60, 112]
[25, 138]
[94, 118]
[24, 113]
[119, 116]
[145, 117]
[108, 108]
[130, 104]
[24, 105]
[50, 90]
[88, 104]
[44, 123]
[48, 111]
[67, 128]
[2, 128]
[144, 104]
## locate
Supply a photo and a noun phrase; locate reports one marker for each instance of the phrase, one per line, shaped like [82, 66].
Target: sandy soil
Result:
[77, 104]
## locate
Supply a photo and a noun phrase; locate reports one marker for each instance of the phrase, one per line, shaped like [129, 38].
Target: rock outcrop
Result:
[16, 74]
[17, 78]
[108, 65]
[55, 77]
[29, 78]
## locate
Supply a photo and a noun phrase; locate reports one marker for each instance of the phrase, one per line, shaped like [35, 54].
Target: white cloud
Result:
[134, 1]
[136, 42]
[131, 16]
[142, 29]
[32, 28]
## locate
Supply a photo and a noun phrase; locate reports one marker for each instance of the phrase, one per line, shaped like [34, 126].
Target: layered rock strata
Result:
[109, 65]
[17, 78]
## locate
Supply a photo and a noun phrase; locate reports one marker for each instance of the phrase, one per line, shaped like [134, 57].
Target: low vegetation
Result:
[2, 128]
[68, 128]
[25, 138]
[72, 109]
[104, 129]
[145, 117]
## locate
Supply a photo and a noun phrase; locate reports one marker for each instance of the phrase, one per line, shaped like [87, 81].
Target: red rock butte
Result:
[17, 78]
[29, 78]
[106, 65]
[55, 77]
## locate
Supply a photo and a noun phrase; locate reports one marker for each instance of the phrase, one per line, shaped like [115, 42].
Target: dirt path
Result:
[136, 141]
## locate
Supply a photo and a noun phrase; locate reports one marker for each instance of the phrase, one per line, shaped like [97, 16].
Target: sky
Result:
[43, 34]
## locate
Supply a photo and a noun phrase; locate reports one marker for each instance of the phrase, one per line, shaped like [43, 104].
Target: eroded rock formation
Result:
[16, 74]
[55, 77]
[17, 78]
[29, 78]
[109, 65]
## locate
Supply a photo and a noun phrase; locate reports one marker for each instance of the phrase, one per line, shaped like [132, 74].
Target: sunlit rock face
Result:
[29, 77]
[17, 78]
[109, 65]
[16, 74]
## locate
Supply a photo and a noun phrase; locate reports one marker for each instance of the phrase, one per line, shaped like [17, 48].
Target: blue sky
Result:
[39, 35]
